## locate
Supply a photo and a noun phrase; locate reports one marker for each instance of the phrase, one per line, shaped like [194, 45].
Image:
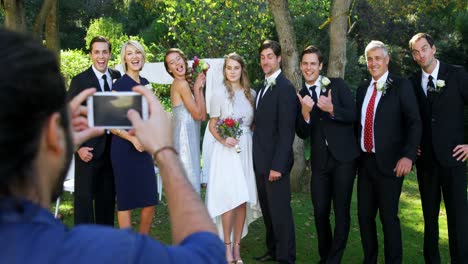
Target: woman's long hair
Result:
[244, 79]
[188, 71]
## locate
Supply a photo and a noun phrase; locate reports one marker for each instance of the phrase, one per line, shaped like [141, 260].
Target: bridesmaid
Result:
[135, 180]
[188, 109]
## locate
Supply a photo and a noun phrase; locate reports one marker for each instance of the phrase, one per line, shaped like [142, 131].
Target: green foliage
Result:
[139, 15]
[395, 22]
[2, 16]
[461, 26]
[307, 17]
[354, 70]
[72, 63]
[215, 28]
[163, 92]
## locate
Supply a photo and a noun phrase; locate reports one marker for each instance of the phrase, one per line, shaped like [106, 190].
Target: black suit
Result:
[94, 180]
[397, 132]
[438, 170]
[333, 152]
[273, 137]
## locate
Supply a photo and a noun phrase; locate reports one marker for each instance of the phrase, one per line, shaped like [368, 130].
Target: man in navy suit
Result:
[275, 117]
[389, 131]
[94, 179]
[442, 93]
[328, 115]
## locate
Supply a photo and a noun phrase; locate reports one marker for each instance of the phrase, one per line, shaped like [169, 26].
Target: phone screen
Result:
[111, 110]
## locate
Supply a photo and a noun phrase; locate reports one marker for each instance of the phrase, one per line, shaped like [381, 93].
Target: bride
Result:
[231, 195]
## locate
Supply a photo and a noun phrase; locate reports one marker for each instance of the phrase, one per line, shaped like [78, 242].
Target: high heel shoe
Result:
[228, 247]
[237, 258]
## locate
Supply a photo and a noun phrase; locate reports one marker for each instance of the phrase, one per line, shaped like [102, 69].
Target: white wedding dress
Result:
[231, 180]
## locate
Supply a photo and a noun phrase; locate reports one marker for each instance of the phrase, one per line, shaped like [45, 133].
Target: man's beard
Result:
[58, 188]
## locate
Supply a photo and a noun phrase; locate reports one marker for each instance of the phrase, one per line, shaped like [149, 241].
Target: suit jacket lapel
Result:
[267, 93]
[303, 92]
[443, 74]
[260, 91]
[94, 82]
[270, 89]
[113, 73]
[417, 82]
[389, 81]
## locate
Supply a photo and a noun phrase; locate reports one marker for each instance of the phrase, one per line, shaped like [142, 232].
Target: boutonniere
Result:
[440, 84]
[382, 87]
[113, 80]
[271, 82]
[325, 82]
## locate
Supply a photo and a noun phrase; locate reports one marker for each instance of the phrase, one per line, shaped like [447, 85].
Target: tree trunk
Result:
[52, 30]
[14, 15]
[290, 66]
[46, 9]
[338, 28]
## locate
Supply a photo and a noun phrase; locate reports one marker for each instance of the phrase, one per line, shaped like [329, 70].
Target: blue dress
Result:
[135, 179]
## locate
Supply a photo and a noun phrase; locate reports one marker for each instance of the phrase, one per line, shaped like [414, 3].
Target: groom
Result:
[275, 115]
[94, 201]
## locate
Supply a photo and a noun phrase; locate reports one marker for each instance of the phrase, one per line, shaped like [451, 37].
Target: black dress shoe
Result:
[265, 257]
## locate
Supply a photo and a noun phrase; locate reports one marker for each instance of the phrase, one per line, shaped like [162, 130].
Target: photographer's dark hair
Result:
[99, 39]
[270, 44]
[311, 50]
[31, 89]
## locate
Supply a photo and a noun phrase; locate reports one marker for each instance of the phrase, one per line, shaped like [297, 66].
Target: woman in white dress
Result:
[231, 195]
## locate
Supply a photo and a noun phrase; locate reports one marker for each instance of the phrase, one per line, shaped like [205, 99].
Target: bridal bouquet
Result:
[199, 65]
[230, 127]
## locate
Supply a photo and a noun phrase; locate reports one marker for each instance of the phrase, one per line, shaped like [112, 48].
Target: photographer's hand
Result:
[79, 121]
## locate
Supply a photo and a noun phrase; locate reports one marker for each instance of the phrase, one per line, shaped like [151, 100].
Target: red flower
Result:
[196, 61]
[229, 122]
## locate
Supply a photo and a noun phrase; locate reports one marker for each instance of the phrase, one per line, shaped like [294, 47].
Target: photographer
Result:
[36, 148]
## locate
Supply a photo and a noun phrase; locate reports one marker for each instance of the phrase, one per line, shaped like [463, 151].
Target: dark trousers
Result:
[275, 202]
[435, 180]
[94, 191]
[379, 192]
[332, 181]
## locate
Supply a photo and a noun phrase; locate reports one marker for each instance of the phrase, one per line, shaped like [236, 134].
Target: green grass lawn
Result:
[306, 238]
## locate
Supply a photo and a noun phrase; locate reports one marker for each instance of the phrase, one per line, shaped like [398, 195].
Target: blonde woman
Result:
[135, 181]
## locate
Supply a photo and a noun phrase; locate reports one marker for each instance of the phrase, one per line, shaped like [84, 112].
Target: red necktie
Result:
[368, 144]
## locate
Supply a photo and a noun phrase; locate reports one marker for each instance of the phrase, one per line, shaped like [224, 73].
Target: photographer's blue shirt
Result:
[30, 234]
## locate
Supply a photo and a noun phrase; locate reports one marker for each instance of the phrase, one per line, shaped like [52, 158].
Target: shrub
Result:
[72, 63]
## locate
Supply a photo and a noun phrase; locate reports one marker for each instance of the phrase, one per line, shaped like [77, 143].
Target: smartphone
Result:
[109, 109]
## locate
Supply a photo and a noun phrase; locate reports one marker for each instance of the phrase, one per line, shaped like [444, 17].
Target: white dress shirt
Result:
[101, 81]
[367, 98]
[318, 87]
[425, 77]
